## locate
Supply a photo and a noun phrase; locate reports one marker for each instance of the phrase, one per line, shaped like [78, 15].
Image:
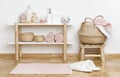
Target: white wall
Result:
[76, 9]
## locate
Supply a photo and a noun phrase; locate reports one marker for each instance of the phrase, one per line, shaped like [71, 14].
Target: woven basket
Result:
[90, 34]
[39, 38]
[26, 37]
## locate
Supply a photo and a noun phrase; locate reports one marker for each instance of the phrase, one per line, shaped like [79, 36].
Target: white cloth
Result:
[104, 31]
[85, 66]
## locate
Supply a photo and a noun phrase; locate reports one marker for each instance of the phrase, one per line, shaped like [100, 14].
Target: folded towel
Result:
[104, 23]
[104, 31]
[85, 66]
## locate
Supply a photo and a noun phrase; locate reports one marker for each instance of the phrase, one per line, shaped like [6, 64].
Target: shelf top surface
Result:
[23, 24]
[40, 24]
[39, 43]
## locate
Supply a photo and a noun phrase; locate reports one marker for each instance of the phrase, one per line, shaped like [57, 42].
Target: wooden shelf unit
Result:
[18, 44]
[40, 43]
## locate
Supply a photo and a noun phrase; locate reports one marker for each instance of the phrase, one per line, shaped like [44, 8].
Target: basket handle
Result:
[89, 19]
[99, 16]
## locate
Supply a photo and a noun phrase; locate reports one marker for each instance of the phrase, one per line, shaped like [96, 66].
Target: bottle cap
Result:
[49, 11]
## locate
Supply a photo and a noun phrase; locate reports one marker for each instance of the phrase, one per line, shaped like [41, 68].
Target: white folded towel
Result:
[104, 31]
[85, 66]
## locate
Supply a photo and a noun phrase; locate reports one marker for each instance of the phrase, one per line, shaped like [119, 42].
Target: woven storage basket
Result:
[90, 34]
[26, 37]
[39, 38]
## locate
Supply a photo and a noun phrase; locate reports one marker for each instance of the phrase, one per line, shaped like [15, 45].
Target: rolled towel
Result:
[59, 37]
[50, 37]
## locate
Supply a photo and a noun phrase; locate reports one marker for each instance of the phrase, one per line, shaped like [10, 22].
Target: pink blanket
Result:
[104, 23]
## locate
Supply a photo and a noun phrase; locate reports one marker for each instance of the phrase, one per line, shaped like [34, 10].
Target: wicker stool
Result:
[83, 54]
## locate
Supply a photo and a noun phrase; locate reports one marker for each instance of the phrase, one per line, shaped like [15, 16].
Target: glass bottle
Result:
[49, 16]
[29, 13]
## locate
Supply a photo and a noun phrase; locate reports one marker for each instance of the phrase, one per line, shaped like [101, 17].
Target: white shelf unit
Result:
[18, 44]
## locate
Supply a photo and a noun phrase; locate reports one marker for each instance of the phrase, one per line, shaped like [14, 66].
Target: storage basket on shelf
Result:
[26, 36]
[89, 33]
[39, 38]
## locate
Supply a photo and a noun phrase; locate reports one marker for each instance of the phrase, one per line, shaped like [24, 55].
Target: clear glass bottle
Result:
[49, 16]
[29, 13]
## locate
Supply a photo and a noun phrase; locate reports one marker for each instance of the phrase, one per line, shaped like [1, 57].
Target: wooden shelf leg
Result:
[16, 43]
[16, 52]
[82, 53]
[102, 55]
[20, 50]
[65, 42]
[64, 54]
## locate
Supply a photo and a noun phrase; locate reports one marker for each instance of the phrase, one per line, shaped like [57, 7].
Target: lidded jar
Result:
[22, 17]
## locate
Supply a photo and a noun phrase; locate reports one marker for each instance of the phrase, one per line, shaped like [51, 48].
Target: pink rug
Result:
[38, 68]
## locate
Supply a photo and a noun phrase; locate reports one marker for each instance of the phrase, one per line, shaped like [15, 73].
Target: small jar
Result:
[22, 17]
[34, 17]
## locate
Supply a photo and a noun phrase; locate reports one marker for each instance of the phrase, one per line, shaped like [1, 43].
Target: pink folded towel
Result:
[104, 23]
[59, 37]
[50, 37]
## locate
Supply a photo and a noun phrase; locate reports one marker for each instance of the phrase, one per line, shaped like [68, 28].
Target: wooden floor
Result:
[110, 69]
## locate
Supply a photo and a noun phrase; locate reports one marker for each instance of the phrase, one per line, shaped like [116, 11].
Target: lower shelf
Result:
[41, 43]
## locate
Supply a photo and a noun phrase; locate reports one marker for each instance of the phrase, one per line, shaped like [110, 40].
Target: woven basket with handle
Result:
[90, 34]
